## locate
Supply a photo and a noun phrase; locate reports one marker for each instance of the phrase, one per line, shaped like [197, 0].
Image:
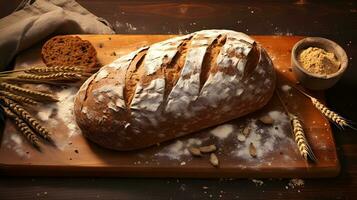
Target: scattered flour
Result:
[178, 149]
[294, 183]
[45, 113]
[286, 88]
[64, 112]
[280, 33]
[266, 144]
[254, 137]
[16, 138]
[222, 131]
[257, 182]
[15, 143]
[280, 120]
[125, 26]
[65, 109]
[241, 137]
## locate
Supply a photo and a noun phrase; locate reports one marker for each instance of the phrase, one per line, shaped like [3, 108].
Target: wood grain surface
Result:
[332, 19]
[76, 156]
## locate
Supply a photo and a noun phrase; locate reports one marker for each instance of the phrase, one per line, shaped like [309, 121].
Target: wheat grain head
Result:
[41, 96]
[300, 139]
[331, 115]
[27, 117]
[23, 128]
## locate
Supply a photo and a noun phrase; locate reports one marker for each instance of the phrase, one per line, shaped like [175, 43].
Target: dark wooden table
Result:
[336, 20]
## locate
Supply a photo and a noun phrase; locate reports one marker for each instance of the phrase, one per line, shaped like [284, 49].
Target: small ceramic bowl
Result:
[315, 81]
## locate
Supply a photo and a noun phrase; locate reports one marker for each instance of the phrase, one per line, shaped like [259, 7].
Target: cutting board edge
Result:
[95, 171]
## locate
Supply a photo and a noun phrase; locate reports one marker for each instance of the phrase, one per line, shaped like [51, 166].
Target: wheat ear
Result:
[26, 116]
[48, 70]
[59, 76]
[27, 92]
[298, 133]
[45, 70]
[300, 139]
[23, 127]
[331, 115]
[17, 98]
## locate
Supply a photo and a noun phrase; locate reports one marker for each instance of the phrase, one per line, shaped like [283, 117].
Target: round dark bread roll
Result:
[173, 88]
[69, 51]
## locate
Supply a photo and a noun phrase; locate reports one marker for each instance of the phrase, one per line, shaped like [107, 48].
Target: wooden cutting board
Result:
[277, 154]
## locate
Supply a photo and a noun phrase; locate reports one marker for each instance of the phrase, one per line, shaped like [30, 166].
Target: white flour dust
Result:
[61, 112]
[264, 145]
[178, 149]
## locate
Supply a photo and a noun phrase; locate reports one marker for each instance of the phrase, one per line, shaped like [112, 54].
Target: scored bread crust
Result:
[174, 88]
[69, 51]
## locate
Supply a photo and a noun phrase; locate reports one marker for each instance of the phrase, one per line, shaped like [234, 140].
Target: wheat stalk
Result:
[59, 76]
[48, 70]
[27, 132]
[300, 139]
[23, 127]
[329, 114]
[26, 116]
[298, 133]
[8, 112]
[27, 92]
[46, 75]
[18, 98]
[44, 70]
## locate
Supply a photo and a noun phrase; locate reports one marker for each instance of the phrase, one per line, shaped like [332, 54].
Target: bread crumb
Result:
[252, 150]
[257, 182]
[293, 183]
[266, 119]
[208, 148]
[194, 151]
[214, 160]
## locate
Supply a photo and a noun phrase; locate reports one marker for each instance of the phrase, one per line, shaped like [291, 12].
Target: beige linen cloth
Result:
[35, 21]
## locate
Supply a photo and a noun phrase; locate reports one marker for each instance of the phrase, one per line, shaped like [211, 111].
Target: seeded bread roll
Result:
[174, 88]
[69, 51]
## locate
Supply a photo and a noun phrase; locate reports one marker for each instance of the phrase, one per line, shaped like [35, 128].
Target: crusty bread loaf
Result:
[69, 51]
[174, 88]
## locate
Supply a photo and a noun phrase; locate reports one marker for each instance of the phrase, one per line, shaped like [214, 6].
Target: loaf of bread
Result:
[173, 88]
[69, 51]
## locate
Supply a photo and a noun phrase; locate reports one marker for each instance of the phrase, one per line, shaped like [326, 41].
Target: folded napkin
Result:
[35, 21]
